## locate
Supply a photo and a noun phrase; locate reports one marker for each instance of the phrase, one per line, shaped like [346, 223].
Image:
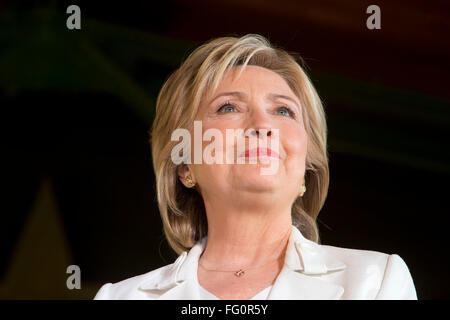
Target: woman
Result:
[243, 233]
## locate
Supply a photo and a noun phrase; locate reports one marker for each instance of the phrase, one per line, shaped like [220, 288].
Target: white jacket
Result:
[311, 271]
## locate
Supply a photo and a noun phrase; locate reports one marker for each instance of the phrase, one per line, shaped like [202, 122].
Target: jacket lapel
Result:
[302, 276]
[183, 291]
[292, 285]
[178, 281]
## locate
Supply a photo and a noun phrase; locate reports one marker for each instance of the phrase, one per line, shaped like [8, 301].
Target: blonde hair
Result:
[182, 209]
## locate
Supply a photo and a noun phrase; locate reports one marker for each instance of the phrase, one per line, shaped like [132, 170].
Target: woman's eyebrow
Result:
[238, 94]
[274, 96]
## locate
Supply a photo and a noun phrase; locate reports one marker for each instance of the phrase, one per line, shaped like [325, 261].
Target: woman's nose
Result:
[259, 124]
[258, 132]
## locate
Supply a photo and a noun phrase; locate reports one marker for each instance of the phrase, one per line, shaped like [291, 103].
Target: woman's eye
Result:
[285, 111]
[227, 108]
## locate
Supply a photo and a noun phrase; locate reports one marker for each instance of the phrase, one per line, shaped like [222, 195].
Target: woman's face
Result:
[258, 99]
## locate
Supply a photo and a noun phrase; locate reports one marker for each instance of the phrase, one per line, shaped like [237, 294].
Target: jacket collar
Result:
[305, 262]
[299, 278]
[309, 257]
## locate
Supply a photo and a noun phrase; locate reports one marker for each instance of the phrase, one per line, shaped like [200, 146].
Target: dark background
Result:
[76, 107]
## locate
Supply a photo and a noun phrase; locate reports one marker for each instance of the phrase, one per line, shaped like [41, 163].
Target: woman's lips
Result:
[260, 152]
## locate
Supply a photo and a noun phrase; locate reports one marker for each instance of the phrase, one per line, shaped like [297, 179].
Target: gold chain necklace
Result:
[238, 273]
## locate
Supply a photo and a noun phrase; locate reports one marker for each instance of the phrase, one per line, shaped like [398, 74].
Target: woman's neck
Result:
[239, 239]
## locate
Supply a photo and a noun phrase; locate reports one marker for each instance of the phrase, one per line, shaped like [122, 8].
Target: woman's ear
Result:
[186, 175]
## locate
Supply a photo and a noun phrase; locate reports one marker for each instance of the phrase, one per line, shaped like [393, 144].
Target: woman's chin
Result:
[251, 178]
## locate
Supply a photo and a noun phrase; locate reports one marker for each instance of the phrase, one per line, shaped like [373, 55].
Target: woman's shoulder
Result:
[364, 258]
[130, 287]
[355, 257]
[389, 271]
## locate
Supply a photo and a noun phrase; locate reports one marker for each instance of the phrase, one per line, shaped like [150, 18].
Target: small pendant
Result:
[239, 273]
